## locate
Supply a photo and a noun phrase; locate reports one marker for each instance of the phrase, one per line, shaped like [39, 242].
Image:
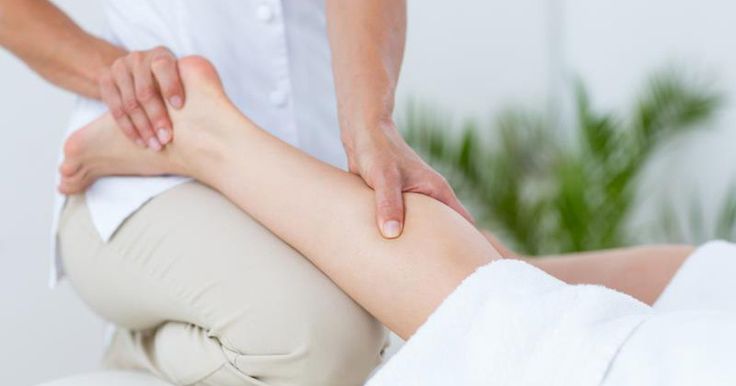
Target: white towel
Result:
[512, 324]
[679, 348]
[706, 281]
[692, 338]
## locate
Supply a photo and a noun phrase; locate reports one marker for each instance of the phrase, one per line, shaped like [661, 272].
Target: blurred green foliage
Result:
[542, 192]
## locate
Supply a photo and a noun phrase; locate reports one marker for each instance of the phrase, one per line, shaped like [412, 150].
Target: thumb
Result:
[390, 207]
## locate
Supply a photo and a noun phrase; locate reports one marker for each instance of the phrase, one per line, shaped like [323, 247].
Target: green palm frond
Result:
[542, 196]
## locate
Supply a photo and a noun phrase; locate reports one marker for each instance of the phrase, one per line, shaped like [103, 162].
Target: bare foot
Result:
[101, 149]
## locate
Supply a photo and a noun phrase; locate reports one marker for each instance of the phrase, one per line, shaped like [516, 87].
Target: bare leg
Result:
[325, 213]
[642, 272]
[97, 150]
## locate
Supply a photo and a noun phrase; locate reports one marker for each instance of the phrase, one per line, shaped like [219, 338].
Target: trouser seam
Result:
[211, 373]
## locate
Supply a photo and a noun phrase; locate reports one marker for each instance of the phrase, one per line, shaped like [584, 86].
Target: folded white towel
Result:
[512, 324]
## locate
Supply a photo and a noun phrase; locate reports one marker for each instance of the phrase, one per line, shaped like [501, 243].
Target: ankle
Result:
[209, 155]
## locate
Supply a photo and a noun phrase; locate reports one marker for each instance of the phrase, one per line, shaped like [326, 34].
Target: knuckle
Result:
[161, 56]
[118, 66]
[161, 50]
[135, 57]
[130, 105]
[145, 93]
[117, 112]
[159, 63]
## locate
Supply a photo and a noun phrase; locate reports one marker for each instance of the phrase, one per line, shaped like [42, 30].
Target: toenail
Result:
[163, 136]
[153, 144]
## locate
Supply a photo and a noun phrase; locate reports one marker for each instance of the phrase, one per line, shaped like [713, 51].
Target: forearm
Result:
[367, 38]
[642, 272]
[55, 47]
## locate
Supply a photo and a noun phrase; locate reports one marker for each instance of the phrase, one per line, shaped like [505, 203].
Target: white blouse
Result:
[273, 57]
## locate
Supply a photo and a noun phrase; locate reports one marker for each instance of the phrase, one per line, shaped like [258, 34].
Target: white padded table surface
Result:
[109, 378]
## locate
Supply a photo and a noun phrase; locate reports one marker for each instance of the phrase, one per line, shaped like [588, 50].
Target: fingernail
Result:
[140, 142]
[176, 101]
[391, 229]
[153, 144]
[163, 136]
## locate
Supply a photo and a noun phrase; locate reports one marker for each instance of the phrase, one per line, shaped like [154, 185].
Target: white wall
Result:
[474, 57]
[469, 57]
[43, 333]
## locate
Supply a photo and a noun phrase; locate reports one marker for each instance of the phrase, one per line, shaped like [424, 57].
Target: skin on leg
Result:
[642, 272]
[323, 212]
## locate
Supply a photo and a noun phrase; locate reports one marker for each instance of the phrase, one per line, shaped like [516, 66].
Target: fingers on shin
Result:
[166, 73]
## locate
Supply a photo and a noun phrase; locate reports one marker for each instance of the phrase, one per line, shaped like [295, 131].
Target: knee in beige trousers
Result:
[204, 295]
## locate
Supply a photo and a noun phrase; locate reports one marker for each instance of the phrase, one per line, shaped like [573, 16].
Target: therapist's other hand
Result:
[136, 89]
[391, 167]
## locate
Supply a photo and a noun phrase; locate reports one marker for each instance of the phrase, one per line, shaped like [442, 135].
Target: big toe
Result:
[74, 183]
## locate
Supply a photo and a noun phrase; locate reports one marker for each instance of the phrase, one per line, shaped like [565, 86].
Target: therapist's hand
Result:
[388, 165]
[136, 89]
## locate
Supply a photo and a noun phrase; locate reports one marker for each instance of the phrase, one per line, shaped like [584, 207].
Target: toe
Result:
[68, 168]
[64, 188]
[74, 183]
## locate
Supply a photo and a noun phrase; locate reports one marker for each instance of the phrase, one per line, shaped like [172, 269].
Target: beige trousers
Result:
[204, 295]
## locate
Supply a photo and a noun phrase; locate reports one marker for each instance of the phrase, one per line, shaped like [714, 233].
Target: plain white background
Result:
[472, 58]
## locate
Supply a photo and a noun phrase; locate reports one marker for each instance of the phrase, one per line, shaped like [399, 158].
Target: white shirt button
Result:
[264, 13]
[278, 98]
